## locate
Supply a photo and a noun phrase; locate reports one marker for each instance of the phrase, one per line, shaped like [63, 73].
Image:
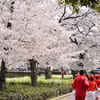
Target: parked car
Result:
[22, 68]
[94, 71]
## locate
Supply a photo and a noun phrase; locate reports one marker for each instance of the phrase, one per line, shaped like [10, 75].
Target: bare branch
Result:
[73, 17]
[62, 15]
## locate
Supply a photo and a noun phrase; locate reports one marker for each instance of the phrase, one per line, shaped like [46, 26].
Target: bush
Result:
[22, 92]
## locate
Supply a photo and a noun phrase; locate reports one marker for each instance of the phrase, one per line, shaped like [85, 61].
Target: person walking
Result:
[62, 73]
[73, 89]
[92, 88]
[81, 85]
[97, 80]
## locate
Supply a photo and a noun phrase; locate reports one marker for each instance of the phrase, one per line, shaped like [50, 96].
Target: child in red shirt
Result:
[97, 80]
[91, 89]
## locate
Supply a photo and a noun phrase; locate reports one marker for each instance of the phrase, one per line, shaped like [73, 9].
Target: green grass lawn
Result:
[41, 79]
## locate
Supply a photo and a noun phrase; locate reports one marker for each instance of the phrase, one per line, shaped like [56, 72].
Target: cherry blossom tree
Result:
[85, 40]
[30, 31]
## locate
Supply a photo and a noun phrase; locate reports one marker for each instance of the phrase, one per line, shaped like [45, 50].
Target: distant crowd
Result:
[84, 88]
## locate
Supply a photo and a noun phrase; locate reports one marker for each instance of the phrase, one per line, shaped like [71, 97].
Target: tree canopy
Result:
[86, 37]
[28, 32]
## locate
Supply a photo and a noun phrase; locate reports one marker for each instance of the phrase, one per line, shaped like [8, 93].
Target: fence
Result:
[27, 73]
[18, 73]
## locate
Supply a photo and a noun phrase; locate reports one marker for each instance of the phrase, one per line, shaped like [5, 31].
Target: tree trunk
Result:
[74, 73]
[2, 76]
[87, 74]
[33, 65]
[48, 74]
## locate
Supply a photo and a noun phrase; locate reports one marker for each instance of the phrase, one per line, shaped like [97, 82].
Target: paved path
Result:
[64, 97]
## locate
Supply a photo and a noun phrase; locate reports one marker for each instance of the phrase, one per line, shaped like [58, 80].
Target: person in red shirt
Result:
[62, 73]
[81, 85]
[91, 89]
[97, 80]
[73, 89]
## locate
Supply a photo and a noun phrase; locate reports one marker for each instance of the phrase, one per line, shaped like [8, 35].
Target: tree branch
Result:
[73, 17]
[62, 15]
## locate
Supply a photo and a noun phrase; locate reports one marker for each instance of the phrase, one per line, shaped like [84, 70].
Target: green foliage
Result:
[46, 88]
[56, 70]
[93, 4]
[22, 92]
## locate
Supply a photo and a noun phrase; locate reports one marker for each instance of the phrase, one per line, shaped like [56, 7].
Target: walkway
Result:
[64, 97]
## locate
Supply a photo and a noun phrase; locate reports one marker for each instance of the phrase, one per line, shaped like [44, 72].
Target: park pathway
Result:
[64, 97]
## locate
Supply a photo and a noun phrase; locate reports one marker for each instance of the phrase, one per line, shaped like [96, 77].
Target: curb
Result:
[63, 96]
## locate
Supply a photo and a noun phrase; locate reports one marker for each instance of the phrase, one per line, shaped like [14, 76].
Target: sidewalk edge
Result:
[60, 97]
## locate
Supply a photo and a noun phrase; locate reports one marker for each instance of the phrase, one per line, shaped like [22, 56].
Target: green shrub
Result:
[56, 70]
[22, 92]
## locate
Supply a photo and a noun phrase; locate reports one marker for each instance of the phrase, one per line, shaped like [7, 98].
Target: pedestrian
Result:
[92, 88]
[81, 85]
[62, 74]
[97, 80]
[73, 89]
